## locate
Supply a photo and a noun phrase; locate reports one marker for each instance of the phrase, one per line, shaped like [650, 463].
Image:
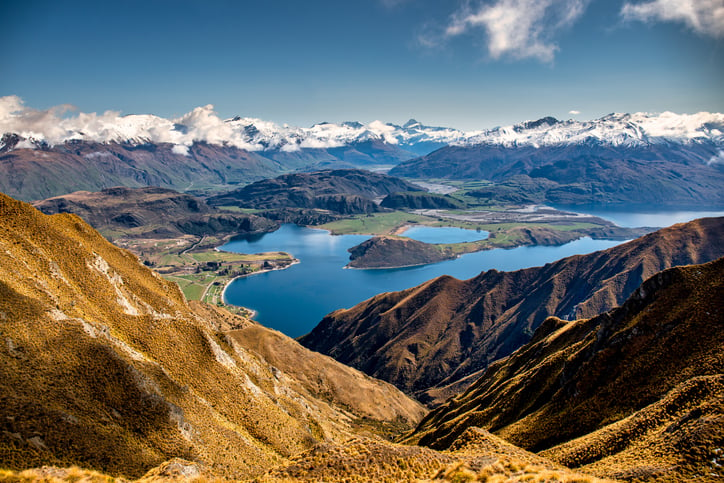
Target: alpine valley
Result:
[120, 359]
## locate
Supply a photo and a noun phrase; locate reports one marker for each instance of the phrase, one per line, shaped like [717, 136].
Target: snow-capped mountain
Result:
[621, 158]
[52, 127]
[636, 129]
[201, 151]
[202, 124]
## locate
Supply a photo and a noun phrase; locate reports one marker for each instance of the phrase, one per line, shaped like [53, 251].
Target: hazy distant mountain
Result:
[43, 172]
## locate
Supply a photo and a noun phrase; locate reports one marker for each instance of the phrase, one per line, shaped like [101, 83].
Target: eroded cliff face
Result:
[433, 340]
[105, 366]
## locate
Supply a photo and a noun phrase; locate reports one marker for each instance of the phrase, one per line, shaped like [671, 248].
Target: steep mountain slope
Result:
[342, 191]
[641, 386]
[151, 210]
[430, 340]
[104, 365]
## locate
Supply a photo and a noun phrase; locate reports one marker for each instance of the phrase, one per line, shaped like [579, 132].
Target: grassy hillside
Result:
[105, 366]
[640, 387]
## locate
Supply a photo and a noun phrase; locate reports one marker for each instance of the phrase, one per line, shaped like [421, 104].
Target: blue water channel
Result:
[294, 300]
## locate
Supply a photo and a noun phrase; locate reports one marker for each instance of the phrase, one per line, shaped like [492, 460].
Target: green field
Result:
[387, 223]
[198, 282]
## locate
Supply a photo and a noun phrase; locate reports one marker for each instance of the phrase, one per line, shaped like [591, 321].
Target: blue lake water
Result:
[434, 234]
[294, 300]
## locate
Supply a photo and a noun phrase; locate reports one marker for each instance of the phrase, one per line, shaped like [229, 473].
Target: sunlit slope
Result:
[641, 386]
[103, 365]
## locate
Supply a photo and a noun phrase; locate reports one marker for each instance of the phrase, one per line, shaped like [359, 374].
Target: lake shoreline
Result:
[253, 312]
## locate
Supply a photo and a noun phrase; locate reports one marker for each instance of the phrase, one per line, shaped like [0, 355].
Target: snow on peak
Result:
[56, 126]
[615, 129]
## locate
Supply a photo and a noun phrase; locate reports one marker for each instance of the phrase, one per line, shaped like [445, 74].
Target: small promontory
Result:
[394, 252]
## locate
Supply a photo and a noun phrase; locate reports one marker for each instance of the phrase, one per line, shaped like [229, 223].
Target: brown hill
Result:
[151, 211]
[105, 366]
[476, 456]
[433, 340]
[341, 190]
[641, 386]
[392, 251]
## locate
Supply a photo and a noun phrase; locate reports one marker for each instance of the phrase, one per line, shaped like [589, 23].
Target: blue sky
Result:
[464, 64]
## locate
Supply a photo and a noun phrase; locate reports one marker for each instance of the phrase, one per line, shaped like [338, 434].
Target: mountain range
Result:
[432, 341]
[644, 158]
[107, 368]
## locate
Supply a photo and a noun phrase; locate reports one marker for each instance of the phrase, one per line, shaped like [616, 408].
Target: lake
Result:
[430, 234]
[294, 300]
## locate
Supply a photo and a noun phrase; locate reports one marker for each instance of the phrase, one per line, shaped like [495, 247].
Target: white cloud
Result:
[703, 16]
[718, 159]
[574, 112]
[180, 149]
[518, 28]
[201, 124]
